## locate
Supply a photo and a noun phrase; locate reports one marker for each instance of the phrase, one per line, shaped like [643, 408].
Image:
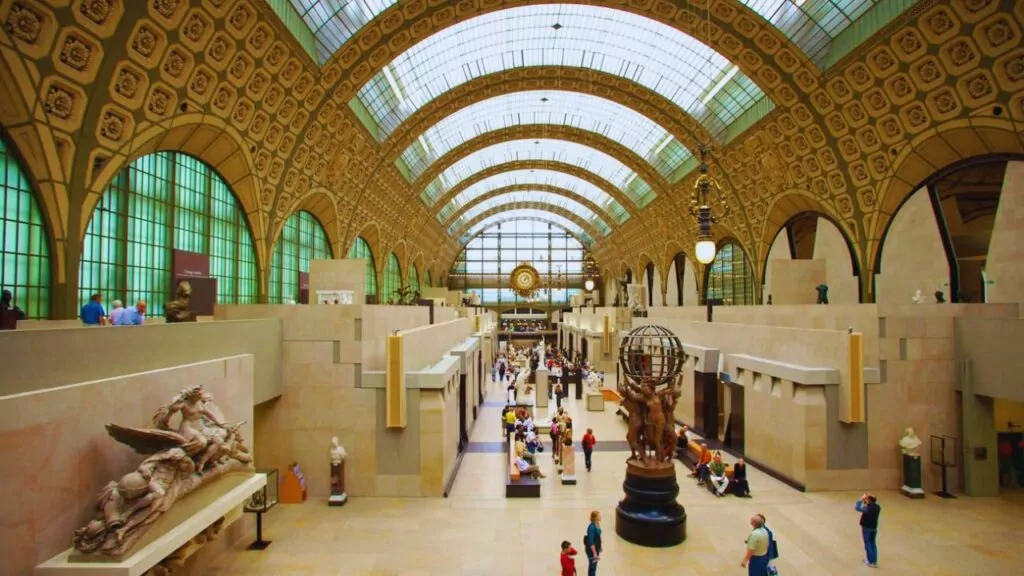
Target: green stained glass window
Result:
[413, 280]
[162, 202]
[392, 279]
[25, 252]
[730, 277]
[302, 239]
[360, 249]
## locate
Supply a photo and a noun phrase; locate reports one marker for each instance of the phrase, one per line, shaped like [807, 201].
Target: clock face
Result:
[524, 279]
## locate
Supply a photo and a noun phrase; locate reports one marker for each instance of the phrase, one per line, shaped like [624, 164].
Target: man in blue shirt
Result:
[93, 313]
[133, 316]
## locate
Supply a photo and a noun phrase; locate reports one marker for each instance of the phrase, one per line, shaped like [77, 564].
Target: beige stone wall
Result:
[830, 246]
[1005, 264]
[913, 257]
[779, 251]
[379, 322]
[57, 455]
[794, 281]
[47, 358]
[993, 345]
[338, 275]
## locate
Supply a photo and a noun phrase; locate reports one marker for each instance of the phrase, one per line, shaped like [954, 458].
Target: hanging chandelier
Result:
[708, 207]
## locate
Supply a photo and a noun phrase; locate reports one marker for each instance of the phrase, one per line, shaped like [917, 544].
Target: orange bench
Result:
[693, 447]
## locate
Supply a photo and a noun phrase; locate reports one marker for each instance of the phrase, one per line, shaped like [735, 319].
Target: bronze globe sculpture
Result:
[651, 358]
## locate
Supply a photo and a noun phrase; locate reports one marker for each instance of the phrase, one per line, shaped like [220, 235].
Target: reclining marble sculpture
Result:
[179, 460]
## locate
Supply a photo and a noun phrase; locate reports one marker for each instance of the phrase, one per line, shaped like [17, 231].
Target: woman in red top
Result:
[588, 446]
[568, 560]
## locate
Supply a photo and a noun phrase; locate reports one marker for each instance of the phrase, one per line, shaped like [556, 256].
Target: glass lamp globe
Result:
[705, 251]
[589, 285]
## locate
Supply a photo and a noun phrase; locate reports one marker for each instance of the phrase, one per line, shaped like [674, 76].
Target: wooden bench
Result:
[693, 451]
[517, 485]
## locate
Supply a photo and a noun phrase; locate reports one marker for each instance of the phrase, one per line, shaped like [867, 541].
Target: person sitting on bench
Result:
[740, 486]
[683, 444]
[522, 452]
[526, 468]
[701, 469]
[716, 473]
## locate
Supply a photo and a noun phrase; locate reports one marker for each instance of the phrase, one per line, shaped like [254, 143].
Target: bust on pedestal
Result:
[911, 465]
[338, 495]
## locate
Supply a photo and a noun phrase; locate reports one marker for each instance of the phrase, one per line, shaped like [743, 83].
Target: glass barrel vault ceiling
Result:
[601, 164]
[541, 197]
[549, 107]
[811, 24]
[654, 55]
[611, 207]
[528, 214]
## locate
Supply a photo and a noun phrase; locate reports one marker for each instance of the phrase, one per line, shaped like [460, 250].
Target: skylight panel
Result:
[545, 107]
[528, 214]
[654, 55]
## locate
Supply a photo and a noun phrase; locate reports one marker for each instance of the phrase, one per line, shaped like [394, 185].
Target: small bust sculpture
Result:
[910, 443]
[918, 297]
[822, 293]
[940, 298]
[338, 454]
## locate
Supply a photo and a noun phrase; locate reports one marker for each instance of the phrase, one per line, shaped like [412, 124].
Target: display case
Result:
[261, 502]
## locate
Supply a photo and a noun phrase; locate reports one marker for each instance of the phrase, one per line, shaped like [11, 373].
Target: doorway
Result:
[736, 424]
[1011, 461]
[463, 400]
[583, 348]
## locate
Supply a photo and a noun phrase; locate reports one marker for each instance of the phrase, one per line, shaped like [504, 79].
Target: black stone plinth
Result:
[649, 514]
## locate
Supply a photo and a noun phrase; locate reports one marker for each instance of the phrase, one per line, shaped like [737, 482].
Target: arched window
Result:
[730, 277]
[413, 280]
[361, 250]
[649, 278]
[680, 266]
[25, 251]
[430, 279]
[162, 202]
[392, 279]
[302, 239]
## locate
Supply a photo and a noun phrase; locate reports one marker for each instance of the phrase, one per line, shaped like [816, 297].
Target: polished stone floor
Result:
[478, 532]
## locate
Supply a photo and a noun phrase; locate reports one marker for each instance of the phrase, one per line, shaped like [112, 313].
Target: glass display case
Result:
[261, 502]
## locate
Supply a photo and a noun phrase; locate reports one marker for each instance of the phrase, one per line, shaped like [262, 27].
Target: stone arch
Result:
[321, 204]
[534, 188]
[532, 132]
[721, 242]
[638, 98]
[782, 210]
[583, 224]
[570, 169]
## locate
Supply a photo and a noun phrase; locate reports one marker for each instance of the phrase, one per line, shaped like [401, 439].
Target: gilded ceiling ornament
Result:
[240, 17]
[275, 55]
[112, 126]
[239, 67]
[242, 111]
[979, 86]
[1014, 68]
[96, 10]
[75, 53]
[218, 49]
[524, 280]
[258, 123]
[127, 83]
[175, 63]
[909, 42]
[961, 53]
[222, 98]
[159, 102]
[144, 42]
[999, 33]
[939, 22]
[201, 82]
[258, 38]
[59, 102]
[195, 27]
[166, 8]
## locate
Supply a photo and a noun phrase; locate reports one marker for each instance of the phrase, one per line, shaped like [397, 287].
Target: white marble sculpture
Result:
[918, 297]
[338, 455]
[201, 448]
[909, 443]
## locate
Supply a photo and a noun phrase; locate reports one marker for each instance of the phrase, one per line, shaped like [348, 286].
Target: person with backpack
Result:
[567, 559]
[758, 543]
[592, 543]
[588, 442]
[773, 547]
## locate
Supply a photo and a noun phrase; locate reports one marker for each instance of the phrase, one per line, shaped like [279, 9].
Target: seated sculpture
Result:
[202, 448]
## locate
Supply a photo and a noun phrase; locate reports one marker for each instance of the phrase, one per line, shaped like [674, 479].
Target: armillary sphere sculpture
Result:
[651, 359]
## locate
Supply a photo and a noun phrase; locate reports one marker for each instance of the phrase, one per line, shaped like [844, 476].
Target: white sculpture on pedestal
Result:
[338, 455]
[918, 297]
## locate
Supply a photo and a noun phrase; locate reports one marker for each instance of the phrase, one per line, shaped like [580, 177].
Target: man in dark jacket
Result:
[869, 512]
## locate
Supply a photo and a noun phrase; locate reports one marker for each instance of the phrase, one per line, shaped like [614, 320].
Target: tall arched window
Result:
[680, 266]
[730, 277]
[392, 279]
[25, 249]
[430, 279]
[361, 250]
[162, 202]
[413, 280]
[302, 239]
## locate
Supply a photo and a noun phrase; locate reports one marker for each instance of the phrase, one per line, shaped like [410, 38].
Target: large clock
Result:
[524, 280]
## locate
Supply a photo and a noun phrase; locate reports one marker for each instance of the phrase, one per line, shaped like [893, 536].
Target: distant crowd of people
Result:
[524, 325]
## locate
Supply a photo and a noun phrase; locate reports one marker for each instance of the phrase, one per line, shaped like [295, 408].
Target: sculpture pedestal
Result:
[649, 514]
[912, 477]
[568, 462]
[338, 495]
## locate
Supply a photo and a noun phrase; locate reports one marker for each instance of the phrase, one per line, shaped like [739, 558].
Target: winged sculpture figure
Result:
[202, 447]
